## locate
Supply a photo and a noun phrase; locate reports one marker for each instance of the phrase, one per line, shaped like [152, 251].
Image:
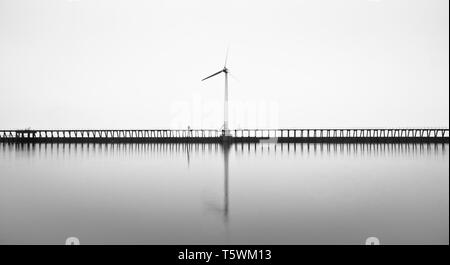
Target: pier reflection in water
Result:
[183, 193]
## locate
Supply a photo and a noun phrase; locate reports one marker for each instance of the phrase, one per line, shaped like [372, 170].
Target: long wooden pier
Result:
[389, 135]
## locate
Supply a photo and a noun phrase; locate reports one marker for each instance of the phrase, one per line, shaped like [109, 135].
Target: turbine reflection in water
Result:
[282, 193]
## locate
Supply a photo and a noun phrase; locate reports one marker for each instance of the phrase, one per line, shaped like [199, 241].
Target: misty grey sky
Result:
[138, 64]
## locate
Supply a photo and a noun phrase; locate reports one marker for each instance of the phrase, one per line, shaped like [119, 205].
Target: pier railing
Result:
[50, 134]
[239, 135]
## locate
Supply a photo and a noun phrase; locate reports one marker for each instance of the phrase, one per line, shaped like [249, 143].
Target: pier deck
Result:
[397, 135]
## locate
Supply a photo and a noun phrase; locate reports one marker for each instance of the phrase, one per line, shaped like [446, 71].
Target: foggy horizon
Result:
[77, 64]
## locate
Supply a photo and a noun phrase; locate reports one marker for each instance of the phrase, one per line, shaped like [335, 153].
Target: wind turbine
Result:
[226, 131]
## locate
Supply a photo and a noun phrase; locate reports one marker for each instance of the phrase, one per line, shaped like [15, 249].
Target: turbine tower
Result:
[226, 131]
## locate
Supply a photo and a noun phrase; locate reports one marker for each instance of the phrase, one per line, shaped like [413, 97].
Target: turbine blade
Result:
[226, 57]
[212, 75]
[233, 76]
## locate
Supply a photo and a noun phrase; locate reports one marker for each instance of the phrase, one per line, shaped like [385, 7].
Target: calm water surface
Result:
[208, 194]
